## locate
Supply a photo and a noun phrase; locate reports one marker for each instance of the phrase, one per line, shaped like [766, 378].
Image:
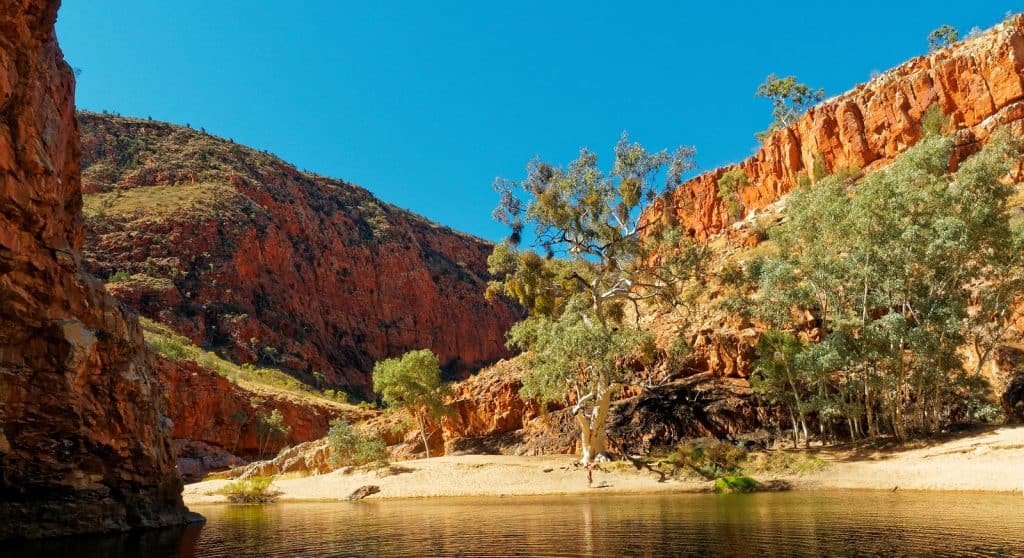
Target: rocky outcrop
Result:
[198, 459]
[491, 417]
[488, 404]
[206, 407]
[247, 255]
[83, 445]
[978, 83]
[313, 458]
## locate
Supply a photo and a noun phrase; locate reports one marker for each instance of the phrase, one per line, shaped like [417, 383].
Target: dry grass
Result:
[165, 342]
[195, 200]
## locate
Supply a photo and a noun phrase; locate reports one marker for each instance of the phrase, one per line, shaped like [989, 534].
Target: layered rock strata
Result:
[83, 444]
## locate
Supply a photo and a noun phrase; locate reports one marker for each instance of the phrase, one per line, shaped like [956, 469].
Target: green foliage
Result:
[270, 426]
[735, 483]
[886, 269]
[942, 37]
[118, 277]
[933, 121]
[710, 460]
[254, 490]
[729, 186]
[594, 262]
[354, 447]
[819, 168]
[789, 100]
[576, 351]
[174, 347]
[591, 220]
[412, 383]
[171, 348]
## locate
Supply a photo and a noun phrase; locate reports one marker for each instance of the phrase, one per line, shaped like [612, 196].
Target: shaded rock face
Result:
[488, 403]
[243, 253]
[978, 83]
[83, 446]
[1013, 400]
[197, 459]
[700, 406]
[206, 407]
[491, 417]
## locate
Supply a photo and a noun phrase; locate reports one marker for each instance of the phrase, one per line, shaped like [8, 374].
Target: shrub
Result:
[169, 348]
[270, 426]
[353, 447]
[712, 460]
[255, 490]
[118, 277]
[735, 483]
[729, 186]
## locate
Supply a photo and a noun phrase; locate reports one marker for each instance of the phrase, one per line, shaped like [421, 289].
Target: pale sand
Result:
[990, 461]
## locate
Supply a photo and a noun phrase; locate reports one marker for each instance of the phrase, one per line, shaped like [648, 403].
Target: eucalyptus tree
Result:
[789, 98]
[888, 267]
[597, 260]
[942, 37]
[412, 383]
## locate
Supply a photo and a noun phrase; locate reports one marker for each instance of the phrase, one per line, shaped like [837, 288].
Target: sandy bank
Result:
[989, 461]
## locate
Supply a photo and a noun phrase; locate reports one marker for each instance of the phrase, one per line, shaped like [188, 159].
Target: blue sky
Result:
[425, 103]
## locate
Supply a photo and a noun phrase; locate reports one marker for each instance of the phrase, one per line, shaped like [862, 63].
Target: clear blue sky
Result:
[424, 103]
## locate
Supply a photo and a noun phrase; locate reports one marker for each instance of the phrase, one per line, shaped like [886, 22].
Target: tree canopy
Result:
[942, 37]
[789, 98]
[871, 296]
[412, 383]
[597, 261]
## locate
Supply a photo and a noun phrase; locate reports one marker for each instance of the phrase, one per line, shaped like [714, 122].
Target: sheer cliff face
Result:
[978, 83]
[245, 254]
[82, 444]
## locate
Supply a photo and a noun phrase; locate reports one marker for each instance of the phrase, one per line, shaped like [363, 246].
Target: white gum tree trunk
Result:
[592, 420]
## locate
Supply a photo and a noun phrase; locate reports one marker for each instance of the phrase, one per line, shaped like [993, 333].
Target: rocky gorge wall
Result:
[83, 444]
[978, 83]
[211, 410]
[249, 256]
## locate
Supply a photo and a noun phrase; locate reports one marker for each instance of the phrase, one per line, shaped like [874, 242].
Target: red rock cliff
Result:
[206, 407]
[979, 83]
[245, 254]
[83, 447]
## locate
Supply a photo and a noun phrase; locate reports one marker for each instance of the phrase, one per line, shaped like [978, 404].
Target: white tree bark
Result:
[592, 420]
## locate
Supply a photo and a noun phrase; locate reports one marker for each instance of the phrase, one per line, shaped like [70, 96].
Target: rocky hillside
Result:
[978, 83]
[247, 255]
[83, 445]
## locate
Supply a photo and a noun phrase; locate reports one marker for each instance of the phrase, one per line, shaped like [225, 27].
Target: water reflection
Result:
[785, 524]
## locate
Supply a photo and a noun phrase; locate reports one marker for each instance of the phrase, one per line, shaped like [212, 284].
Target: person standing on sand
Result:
[590, 474]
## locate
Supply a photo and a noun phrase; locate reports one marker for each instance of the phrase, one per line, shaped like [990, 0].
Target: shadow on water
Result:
[764, 524]
[172, 541]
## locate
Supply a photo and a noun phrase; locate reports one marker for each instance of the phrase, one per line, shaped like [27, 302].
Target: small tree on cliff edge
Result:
[789, 100]
[596, 257]
[942, 37]
[412, 383]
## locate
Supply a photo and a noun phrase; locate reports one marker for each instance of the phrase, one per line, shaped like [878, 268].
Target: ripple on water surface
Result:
[780, 524]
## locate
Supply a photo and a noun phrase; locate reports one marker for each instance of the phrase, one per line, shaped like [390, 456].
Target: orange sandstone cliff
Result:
[978, 83]
[83, 444]
[246, 255]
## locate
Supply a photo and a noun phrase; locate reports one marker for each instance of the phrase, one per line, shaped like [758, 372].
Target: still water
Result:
[765, 525]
